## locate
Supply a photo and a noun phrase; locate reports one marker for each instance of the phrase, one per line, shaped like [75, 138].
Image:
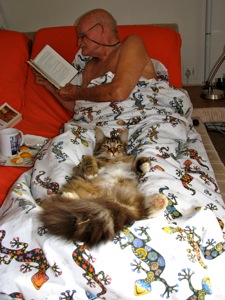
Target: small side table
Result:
[204, 109]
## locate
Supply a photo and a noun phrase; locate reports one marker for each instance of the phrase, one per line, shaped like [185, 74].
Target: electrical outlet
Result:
[193, 72]
[190, 73]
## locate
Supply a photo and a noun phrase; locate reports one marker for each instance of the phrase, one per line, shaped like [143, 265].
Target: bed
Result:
[179, 254]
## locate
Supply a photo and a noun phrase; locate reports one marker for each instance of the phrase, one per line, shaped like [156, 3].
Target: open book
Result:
[53, 67]
[9, 117]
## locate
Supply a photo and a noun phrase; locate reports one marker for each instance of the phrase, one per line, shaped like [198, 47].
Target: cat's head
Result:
[111, 147]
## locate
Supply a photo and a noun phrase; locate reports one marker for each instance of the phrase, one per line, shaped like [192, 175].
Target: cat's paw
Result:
[143, 165]
[70, 195]
[89, 166]
[159, 201]
[91, 176]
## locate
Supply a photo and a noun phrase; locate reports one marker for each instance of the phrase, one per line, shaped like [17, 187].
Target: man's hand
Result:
[39, 79]
[68, 92]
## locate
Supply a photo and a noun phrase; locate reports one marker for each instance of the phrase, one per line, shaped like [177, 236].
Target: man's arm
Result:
[53, 90]
[133, 62]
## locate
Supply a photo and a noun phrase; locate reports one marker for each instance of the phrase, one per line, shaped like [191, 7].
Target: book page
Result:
[44, 74]
[54, 66]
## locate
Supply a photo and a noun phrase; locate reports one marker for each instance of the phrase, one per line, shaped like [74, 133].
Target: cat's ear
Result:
[124, 136]
[99, 135]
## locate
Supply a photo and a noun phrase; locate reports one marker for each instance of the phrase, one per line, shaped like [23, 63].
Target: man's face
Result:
[87, 31]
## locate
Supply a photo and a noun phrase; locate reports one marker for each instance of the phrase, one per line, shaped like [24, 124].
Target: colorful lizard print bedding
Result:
[179, 254]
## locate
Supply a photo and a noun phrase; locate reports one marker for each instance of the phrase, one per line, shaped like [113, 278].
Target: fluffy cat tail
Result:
[88, 221]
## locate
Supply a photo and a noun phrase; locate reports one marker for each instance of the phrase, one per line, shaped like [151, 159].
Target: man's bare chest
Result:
[95, 69]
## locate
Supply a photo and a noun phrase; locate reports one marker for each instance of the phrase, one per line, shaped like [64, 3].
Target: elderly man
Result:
[128, 61]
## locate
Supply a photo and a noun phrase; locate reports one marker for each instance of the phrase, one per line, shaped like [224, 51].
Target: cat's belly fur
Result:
[114, 174]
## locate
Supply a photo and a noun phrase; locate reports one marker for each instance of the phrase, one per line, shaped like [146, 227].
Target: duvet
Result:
[179, 254]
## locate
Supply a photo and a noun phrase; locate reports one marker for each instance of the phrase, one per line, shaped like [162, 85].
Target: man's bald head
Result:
[100, 16]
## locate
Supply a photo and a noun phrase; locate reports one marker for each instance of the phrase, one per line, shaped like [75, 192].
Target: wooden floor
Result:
[218, 140]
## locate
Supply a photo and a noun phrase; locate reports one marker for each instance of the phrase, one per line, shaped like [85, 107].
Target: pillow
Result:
[14, 52]
[161, 70]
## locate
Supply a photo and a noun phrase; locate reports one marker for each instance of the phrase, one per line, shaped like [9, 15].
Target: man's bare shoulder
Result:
[132, 39]
[133, 44]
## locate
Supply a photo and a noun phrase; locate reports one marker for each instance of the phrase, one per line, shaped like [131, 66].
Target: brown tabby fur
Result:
[102, 196]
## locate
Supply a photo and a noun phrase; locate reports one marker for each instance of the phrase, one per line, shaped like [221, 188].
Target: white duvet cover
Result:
[178, 254]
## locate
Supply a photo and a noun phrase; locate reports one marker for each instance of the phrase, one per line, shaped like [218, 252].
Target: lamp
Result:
[208, 92]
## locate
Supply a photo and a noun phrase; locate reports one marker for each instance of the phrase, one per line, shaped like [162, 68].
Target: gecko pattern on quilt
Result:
[179, 254]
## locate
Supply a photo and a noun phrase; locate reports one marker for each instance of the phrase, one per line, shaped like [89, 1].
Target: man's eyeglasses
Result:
[84, 34]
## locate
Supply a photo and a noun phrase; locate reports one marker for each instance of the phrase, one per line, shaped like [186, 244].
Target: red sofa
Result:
[42, 114]
[161, 257]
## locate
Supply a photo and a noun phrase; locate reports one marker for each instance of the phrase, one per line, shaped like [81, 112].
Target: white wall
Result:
[30, 15]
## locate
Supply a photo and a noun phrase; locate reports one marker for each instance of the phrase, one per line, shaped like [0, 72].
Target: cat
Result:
[102, 196]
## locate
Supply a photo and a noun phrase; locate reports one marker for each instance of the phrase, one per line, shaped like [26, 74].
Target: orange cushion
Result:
[63, 39]
[42, 114]
[13, 56]
[14, 52]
